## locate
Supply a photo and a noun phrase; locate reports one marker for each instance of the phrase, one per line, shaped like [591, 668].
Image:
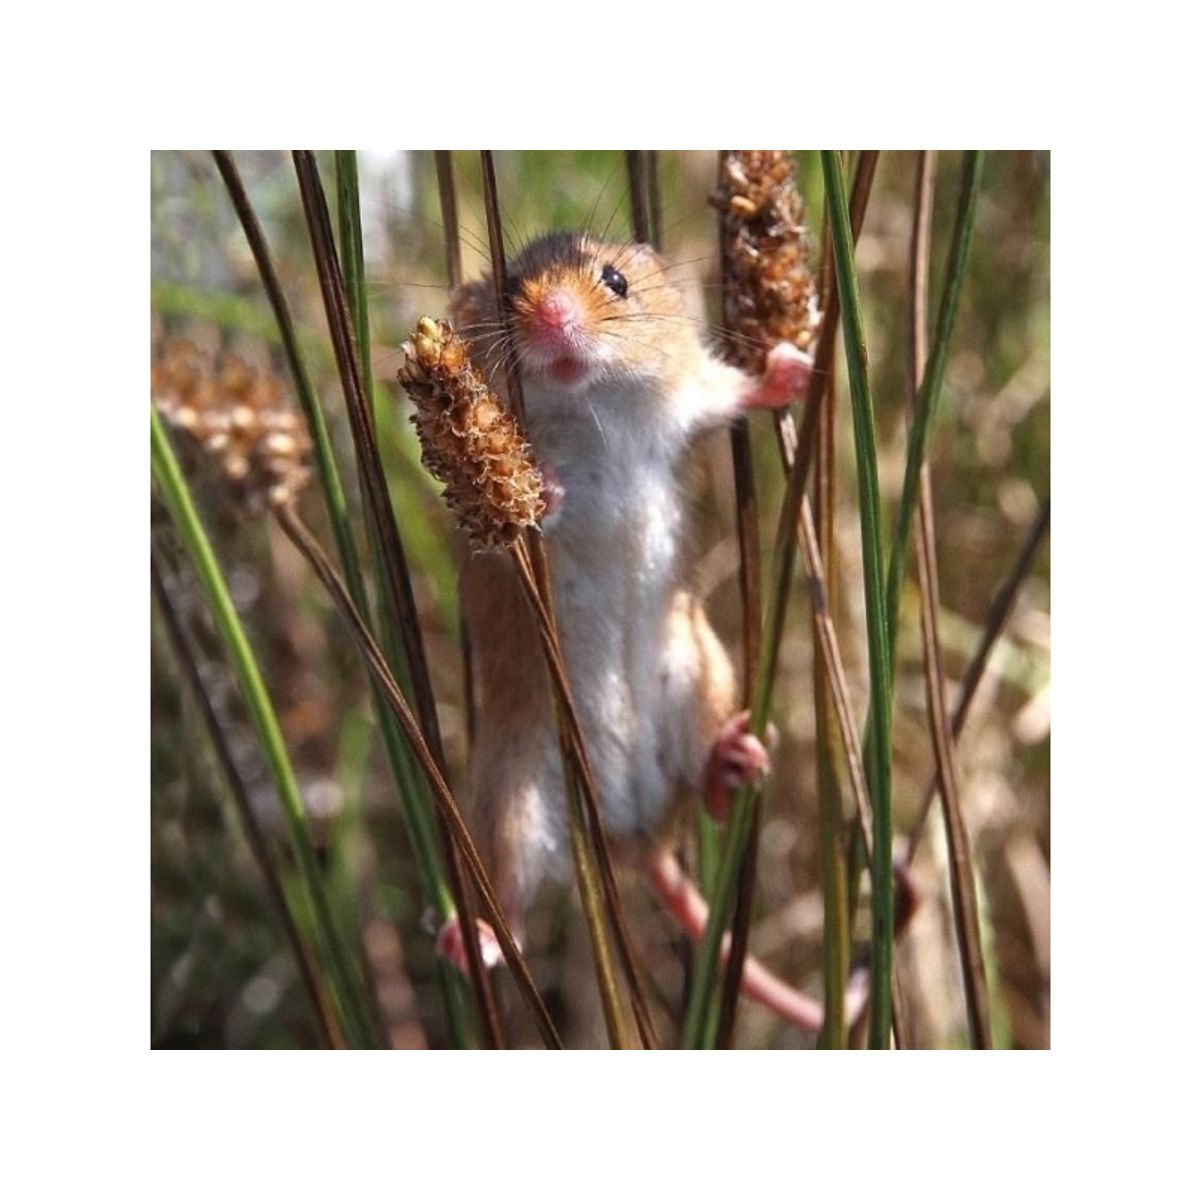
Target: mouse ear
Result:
[645, 255]
[471, 304]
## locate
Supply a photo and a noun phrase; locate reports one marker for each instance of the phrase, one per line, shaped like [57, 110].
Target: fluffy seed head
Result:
[770, 295]
[468, 439]
[236, 419]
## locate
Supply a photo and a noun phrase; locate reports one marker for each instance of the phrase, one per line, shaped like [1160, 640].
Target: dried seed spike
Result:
[236, 418]
[468, 440]
[771, 296]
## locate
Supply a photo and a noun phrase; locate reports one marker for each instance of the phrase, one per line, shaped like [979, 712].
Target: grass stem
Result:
[962, 874]
[999, 612]
[345, 978]
[324, 1014]
[879, 653]
[301, 537]
[419, 819]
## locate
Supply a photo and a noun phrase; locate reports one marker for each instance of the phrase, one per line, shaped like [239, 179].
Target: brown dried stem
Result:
[304, 541]
[962, 874]
[539, 569]
[323, 1011]
[448, 200]
[654, 199]
[635, 165]
[750, 586]
[449, 205]
[386, 536]
[831, 826]
[581, 767]
[998, 614]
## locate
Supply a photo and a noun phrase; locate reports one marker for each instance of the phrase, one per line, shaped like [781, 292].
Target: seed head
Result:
[770, 295]
[235, 417]
[468, 439]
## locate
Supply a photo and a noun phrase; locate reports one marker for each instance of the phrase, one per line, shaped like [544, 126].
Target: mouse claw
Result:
[451, 945]
[785, 379]
[738, 758]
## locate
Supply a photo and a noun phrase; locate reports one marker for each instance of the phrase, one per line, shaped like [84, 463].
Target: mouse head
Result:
[584, 311]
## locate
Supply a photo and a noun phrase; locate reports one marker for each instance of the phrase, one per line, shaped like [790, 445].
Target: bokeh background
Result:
[221, 972]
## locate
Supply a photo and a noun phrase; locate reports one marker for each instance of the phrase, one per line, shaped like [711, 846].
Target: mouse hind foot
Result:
[451, 945]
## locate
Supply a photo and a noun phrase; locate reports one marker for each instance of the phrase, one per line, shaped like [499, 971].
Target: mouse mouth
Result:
[566, 369]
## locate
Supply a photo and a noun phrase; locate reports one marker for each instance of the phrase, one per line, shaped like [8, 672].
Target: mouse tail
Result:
[684, 902]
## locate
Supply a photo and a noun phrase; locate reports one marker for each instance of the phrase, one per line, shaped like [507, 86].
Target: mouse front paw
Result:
[452, 946]
[738, 758]
[785, 379]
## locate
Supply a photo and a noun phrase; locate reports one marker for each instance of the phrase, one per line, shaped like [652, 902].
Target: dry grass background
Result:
[221, 972]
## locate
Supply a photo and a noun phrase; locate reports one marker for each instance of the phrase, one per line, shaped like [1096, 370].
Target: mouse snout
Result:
[556, 316]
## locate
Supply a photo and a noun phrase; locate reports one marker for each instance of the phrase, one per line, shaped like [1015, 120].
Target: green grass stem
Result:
[878, 642]
[344, 976]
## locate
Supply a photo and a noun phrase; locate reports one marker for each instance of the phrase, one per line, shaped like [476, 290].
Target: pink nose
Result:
[557, 312]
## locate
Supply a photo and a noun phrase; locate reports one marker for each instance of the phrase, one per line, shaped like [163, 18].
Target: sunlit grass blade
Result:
[345, 979]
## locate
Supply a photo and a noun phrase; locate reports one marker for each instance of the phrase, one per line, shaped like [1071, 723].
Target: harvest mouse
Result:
[617, 384]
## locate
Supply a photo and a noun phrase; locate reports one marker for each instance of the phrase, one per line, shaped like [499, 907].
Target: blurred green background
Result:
[221, 972]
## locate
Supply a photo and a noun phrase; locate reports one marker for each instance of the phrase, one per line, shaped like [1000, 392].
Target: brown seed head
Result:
[236, 417]
[770, 296]
[468, 439]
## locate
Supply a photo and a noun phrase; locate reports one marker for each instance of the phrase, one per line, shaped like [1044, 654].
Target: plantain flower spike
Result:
[770, 294]
[469, 440]
[235, 418]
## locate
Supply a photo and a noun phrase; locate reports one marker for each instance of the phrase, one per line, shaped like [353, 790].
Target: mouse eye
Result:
[615, 280]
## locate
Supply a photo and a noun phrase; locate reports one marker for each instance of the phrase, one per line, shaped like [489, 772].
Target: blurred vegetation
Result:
[221, 972]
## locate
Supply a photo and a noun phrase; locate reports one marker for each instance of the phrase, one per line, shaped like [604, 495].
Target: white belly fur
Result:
[613, 551]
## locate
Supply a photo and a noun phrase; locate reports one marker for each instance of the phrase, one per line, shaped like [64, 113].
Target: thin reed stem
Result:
[419, 819]
[750, 586]
[301, 537]
[350, 236]
[835, 941]
[316, 909]
[449, 204]
[391, 561]
[635, 165]
[328, 1030]
[962, 874]
[654, 199]
[579, 769]
[875, 601]
[700, 1018]
[544, 607]
[999, 612]
[448, 201]
[930, 394]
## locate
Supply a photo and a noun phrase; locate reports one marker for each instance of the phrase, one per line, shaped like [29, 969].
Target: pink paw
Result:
[737, 758]
[452, 946]
[786, 378]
